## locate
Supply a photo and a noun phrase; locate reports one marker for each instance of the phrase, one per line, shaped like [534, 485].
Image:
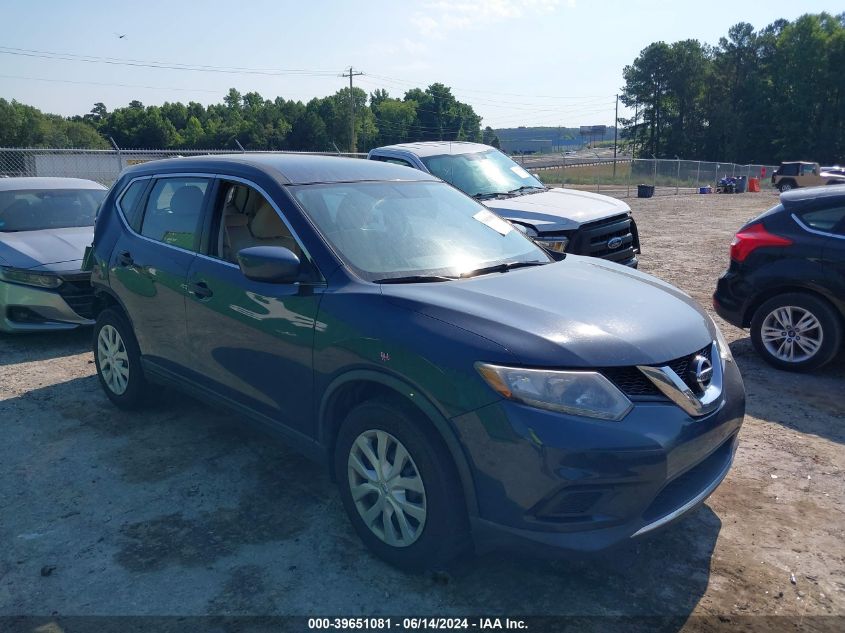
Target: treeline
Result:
[765, 96]
[256, 123]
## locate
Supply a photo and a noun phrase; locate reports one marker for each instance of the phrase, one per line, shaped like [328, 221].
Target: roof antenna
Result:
[240, 147]
[336, 148]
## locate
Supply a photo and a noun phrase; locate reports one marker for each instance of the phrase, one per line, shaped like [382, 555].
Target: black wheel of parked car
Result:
[118, 360]
[399, 486]
[796, 331]
[786, 185]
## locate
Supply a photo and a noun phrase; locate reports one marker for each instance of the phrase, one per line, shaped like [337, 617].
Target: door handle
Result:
[125, 259]
[200, 290]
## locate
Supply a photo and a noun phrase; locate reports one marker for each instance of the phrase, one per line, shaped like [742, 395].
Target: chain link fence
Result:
[622, 177]
[619, 178]
[100, 165]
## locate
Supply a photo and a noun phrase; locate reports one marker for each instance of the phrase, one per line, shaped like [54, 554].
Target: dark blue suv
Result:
[462, 384]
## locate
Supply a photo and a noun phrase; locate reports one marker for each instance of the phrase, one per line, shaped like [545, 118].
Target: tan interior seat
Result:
[234, 230]
[268, 229]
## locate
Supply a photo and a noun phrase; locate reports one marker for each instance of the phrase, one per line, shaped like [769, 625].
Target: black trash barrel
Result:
[741, 184]
[645, 191]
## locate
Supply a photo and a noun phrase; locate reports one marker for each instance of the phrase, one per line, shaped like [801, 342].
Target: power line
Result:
[121, 61]
[98, 83]
[496, 92]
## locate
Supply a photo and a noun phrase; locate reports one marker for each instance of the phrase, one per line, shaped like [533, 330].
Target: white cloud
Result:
[440, 16]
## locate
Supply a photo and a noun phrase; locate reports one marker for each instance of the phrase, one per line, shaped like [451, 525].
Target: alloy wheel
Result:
[386, 488]
[791, 334]
[113, 359]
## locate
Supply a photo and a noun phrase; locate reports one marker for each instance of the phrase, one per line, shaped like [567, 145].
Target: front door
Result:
[252, 341]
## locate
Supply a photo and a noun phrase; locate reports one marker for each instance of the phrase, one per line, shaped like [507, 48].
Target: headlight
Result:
[41, 280]
[724, 350]
[586, 393]
[557, 244]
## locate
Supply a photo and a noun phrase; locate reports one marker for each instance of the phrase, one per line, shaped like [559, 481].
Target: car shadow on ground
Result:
[185, 495]
[31, 347]
[805, 402]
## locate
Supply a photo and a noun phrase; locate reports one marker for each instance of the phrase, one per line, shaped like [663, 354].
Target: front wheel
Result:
[399, 486]
[118, 360]
[796, 331]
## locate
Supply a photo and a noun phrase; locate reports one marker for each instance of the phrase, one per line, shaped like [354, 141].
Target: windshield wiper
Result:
[487, 196]
[413, 279]
[500, 268]
[525, 188]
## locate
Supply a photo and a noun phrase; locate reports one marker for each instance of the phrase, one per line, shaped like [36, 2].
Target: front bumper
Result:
[558, 481]
[31, 309]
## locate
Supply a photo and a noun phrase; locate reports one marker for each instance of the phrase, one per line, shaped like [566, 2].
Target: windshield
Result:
[36, 209]
[481, 173]
[403, 229]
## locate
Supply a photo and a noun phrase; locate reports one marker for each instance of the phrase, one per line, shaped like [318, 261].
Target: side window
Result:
[398, 161]
[831, 220]
[129, 203]
[789, 170]
[246, 218]
[808, 170]
[173, 211]
[392, 161]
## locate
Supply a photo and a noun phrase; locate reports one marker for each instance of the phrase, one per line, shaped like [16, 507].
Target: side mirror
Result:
[270, 264]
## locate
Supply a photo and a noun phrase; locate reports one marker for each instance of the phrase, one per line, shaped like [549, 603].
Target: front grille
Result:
[592, 239]
[78, 293]
[681, 366]
[631, 381]
[634, 384]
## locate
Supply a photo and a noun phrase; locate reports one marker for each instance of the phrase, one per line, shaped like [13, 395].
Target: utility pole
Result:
[636, 129]
[351, 74]
[615, 134]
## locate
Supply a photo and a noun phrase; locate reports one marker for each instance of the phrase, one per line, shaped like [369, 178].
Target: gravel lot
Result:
[186, 510]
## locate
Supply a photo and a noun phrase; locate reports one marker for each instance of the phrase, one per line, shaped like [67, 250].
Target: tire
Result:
[813, 345]
[437, 529]
[118, 361]
[786, 185]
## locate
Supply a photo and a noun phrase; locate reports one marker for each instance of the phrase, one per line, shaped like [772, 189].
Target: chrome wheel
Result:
[113, 359]
[386, 487]
[791, 334]
[785, 187]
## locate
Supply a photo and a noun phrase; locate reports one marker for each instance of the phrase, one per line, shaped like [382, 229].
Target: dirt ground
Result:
[185, 510]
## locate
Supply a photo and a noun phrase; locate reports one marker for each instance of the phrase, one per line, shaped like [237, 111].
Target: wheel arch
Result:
[104, 298]
[358, 386]
[770, 293]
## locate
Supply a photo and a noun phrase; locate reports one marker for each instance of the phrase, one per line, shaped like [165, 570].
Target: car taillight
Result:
[753, 237]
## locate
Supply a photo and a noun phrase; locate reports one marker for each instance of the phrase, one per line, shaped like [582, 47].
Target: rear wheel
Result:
[796, 331]
[399, 486]
[786, 185]
[118, 360]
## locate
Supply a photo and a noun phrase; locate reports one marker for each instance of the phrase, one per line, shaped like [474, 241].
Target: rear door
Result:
[150, 261]
[828, 225]
[250, 341]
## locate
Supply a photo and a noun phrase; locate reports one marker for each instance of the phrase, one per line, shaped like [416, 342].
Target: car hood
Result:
[579, 312]
[557, 209]
[48, 249]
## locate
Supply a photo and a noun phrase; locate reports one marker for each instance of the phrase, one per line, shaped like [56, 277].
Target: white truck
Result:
[562, 220]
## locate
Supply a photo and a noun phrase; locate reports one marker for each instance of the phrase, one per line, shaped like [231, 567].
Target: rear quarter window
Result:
[830, 220]
[130, 203]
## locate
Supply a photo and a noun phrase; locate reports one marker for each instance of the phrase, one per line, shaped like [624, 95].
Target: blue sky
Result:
[517, 62]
